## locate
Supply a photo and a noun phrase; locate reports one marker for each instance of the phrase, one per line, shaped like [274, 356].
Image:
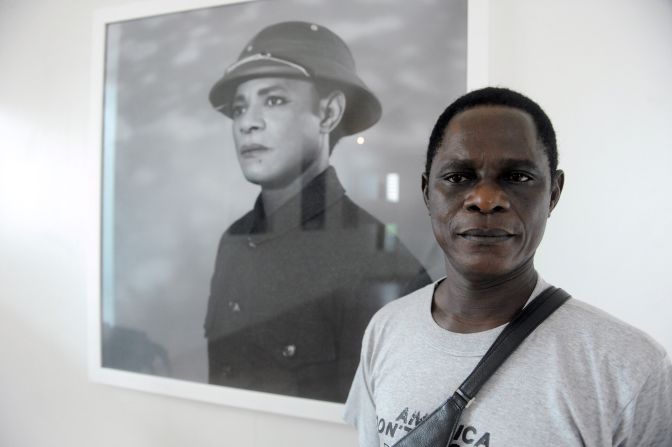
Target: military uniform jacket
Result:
[292, 293]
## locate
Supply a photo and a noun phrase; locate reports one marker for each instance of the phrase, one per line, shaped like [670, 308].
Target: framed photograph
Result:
[260, 188]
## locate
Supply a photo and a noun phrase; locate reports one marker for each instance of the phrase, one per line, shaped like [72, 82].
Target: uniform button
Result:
[234, 306]
[289, 351]
[251, 243]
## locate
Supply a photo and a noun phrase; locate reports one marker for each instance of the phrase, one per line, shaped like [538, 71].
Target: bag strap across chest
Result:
[439, 427]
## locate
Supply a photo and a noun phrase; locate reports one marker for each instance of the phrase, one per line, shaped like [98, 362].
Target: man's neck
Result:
[274, 197]
[465, 305]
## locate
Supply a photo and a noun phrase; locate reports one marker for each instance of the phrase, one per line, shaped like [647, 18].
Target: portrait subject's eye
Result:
[237, 110]
[273, 101]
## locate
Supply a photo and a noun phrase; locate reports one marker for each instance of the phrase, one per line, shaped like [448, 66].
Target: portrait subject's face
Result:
[276, 129]
[489, 192]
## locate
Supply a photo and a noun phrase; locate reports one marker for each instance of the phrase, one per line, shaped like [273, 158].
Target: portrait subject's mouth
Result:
[252, 150]
[486, 235]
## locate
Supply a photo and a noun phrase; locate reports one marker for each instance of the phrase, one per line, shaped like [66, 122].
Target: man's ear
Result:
[331, 110]
[425, 189]
[556, 189]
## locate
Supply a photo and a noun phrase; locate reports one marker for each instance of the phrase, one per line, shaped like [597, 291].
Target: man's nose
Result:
[487, 197]
[251, 119]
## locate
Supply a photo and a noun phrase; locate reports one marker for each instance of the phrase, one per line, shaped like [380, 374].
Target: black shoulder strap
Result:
[511, 337]
[439, 427]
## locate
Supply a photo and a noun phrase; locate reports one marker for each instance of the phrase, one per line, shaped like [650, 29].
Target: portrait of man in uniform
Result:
[297, 278]
[259, 191]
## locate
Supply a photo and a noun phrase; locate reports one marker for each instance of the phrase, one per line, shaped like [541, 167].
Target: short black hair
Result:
[496, 96]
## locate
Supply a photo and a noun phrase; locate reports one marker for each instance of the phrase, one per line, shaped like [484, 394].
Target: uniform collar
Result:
[318, 195]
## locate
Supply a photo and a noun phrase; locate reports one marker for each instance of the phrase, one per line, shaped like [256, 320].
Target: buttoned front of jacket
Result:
[292, 293]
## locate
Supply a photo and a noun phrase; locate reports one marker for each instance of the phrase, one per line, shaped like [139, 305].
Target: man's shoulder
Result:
[594, 320]
[356, 212]
[242, 225]
[240, 228]
[595, 330]
[399, 314]
[413, 301]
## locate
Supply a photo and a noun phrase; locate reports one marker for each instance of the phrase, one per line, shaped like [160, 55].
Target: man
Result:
[297, 278]
[583, 378]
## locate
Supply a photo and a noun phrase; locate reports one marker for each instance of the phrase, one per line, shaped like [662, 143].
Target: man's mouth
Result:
[252, 150]
[486, 234]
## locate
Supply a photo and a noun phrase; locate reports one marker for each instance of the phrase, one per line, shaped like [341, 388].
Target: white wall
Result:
[601, 68]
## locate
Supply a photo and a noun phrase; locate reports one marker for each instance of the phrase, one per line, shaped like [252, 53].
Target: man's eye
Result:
[273, 101]
[237, 110]
[518, 177]
[457, 178]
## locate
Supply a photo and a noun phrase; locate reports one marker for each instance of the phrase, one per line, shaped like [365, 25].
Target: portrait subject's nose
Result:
[487, 197]
[251, 119]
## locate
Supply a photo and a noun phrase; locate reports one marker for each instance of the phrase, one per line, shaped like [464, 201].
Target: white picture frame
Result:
[104, 137]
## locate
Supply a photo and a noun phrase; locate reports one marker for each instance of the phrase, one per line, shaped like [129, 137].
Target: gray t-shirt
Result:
[582, 378]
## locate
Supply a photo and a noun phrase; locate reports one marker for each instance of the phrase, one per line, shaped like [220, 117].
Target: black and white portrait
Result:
[261, 185]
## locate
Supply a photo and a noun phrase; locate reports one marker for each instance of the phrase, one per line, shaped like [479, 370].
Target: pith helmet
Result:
[303, 51]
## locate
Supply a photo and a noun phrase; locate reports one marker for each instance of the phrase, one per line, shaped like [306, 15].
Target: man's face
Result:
[276, 129]
[489, 192]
